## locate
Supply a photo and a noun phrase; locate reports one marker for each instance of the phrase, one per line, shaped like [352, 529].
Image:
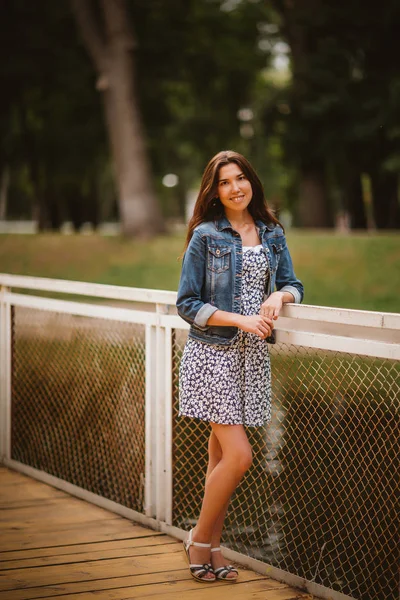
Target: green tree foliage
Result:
[197, 63]
[343, 119]
[320, 134]
[50, 117]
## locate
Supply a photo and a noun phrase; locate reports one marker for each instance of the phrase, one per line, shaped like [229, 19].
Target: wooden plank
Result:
[147, 584]
[19, 491]
[91, 556]
[8, 475]
[215, 591]
[56, 546]
[119, 567]
[28, 503]
[62, 510]
[24, 495]
[153, 538]
[24, 527]
[118, 530]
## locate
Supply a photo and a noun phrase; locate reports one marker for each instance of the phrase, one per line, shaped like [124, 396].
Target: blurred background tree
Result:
[309, 91]
[111, 49]
[52, 141]
[341, 124]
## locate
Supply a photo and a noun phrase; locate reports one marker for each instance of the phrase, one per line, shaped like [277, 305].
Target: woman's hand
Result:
[258, 324]
[272, 306]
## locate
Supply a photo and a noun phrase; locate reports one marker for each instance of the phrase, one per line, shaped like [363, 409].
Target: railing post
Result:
[168, 487]
[5, 375]
[150, 422]
[159, 422]
[162, 421]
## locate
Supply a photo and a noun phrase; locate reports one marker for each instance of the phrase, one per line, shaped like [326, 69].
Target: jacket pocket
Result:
[219, 258]
[276, 254]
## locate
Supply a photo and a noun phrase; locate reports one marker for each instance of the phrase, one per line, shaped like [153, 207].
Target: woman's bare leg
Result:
[221, 482]
[214, 456]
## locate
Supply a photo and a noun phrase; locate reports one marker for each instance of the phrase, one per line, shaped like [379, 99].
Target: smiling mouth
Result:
[237, 198]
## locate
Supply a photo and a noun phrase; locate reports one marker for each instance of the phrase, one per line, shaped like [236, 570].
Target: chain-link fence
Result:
[78, 401]
[320, 498]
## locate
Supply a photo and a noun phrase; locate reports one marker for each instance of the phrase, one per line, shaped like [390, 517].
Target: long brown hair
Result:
[208, 207]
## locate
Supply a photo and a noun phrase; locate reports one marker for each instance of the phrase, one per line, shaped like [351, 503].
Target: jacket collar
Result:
[223, 223]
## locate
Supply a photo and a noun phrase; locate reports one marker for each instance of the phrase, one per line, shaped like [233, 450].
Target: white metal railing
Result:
[363, 333]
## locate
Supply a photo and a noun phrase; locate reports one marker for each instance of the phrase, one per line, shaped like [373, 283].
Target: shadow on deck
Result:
[53, 545]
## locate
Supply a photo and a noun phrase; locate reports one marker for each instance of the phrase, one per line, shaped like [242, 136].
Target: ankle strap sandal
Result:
[222, 573]
[198, 572]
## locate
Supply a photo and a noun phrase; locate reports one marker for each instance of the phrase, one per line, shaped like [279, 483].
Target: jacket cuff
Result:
[294, 291]
[204, 314]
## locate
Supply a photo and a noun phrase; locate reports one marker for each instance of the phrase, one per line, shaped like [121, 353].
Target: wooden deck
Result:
[53, 545]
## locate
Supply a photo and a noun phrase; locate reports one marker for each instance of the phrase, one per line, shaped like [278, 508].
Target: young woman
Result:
[235, 256]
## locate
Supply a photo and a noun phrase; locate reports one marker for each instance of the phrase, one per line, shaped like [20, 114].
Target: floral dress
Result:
[231, 385]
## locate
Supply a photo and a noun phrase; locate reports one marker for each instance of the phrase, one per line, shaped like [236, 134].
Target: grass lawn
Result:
[350, 271]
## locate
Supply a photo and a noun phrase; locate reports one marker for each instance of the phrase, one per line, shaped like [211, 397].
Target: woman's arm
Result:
[189, 304]
[290, 289]
[261, 325]
[286, 280]
[272, 306]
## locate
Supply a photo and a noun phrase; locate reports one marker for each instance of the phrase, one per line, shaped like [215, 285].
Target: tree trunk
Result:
[92, 204]
[53, 205]
[385, 199]
[113, 59]
[354, 202]
[5, 181]
[75, 207]
[39, 209]
[313, 207]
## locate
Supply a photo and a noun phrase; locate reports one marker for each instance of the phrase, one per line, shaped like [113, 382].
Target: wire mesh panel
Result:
[78, 401]
[319, 499]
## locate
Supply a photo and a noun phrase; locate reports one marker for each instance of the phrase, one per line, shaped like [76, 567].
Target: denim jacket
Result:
[211, 276]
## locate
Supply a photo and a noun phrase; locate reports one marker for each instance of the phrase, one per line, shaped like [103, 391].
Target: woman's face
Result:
[234, 189]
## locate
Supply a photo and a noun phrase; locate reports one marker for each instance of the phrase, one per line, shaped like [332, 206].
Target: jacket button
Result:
[218, 252]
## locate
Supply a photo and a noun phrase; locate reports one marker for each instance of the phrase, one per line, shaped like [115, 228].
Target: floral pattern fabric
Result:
[231, 385]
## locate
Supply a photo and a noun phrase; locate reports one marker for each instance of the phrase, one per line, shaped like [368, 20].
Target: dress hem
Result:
[263, 424]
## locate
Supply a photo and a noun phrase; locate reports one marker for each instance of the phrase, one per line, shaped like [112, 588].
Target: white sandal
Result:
[222, 572]
[198, 572]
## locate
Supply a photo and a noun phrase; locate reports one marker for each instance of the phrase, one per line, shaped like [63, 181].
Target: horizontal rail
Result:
[337, 343]
[81, 309]
[345, 316]
[82, 288]
[362, 346]
[346, 337]
[326, 314]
